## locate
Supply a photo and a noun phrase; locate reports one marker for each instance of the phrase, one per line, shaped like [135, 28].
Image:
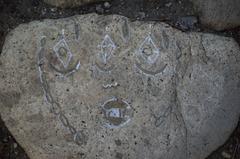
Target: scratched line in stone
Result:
[65, 56]
[104, 69]
[148, 72]
[160, 119]
[78, 136]
[165, 39]
[68, 71]
[115, 84]
[77, 31]
[178, 51]
[126, 30]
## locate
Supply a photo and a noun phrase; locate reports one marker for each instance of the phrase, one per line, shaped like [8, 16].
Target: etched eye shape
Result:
[63, 52]
[103, 62]
[107, 48]
[63, 61]
[148, 50]
[147, 61]
[116, 113]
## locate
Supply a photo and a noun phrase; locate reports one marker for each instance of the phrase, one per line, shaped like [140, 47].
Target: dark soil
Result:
[178, 13]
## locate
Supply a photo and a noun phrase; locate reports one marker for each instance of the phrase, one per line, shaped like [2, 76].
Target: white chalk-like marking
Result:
[115, 84]
[152, 57]
[63, 44]
[78, 65]
[108, 44]
[74, 70]
[117, 113]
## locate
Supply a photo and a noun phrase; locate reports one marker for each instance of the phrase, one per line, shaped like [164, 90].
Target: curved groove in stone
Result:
[153, 73]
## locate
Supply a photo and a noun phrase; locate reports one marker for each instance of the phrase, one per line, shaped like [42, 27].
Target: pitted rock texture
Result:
[69, 3]
[133, 89]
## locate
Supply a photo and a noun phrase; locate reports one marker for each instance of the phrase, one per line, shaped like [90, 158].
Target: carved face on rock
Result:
[119, 89]
[117, 81]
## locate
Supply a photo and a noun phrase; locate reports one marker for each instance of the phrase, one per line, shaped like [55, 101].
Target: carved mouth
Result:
[117, 112]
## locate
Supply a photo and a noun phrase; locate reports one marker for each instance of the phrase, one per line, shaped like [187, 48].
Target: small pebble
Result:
[44, 10]
[14, 145]
[99, 9]
[107, 5]
[168, 4]
[53, 9]
[5, 140]
[142, 15]
[226, 155]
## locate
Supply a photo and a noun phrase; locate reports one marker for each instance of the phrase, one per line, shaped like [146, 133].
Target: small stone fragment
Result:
[99, 8]
[107, 5]
[15, 145]
[168, 4]
[226, 155]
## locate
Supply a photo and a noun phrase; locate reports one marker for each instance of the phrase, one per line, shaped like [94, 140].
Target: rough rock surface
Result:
[219, 15]
[69, 3]
[95, 86]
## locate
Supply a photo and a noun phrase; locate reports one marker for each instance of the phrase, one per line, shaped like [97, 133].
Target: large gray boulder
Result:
[95, 86]
[69, 3]
[218, 14]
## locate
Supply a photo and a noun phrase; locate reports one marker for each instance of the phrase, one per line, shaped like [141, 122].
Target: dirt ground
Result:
[178, 13]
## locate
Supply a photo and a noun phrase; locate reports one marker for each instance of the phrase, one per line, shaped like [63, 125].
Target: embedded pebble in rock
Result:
[94, 86]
